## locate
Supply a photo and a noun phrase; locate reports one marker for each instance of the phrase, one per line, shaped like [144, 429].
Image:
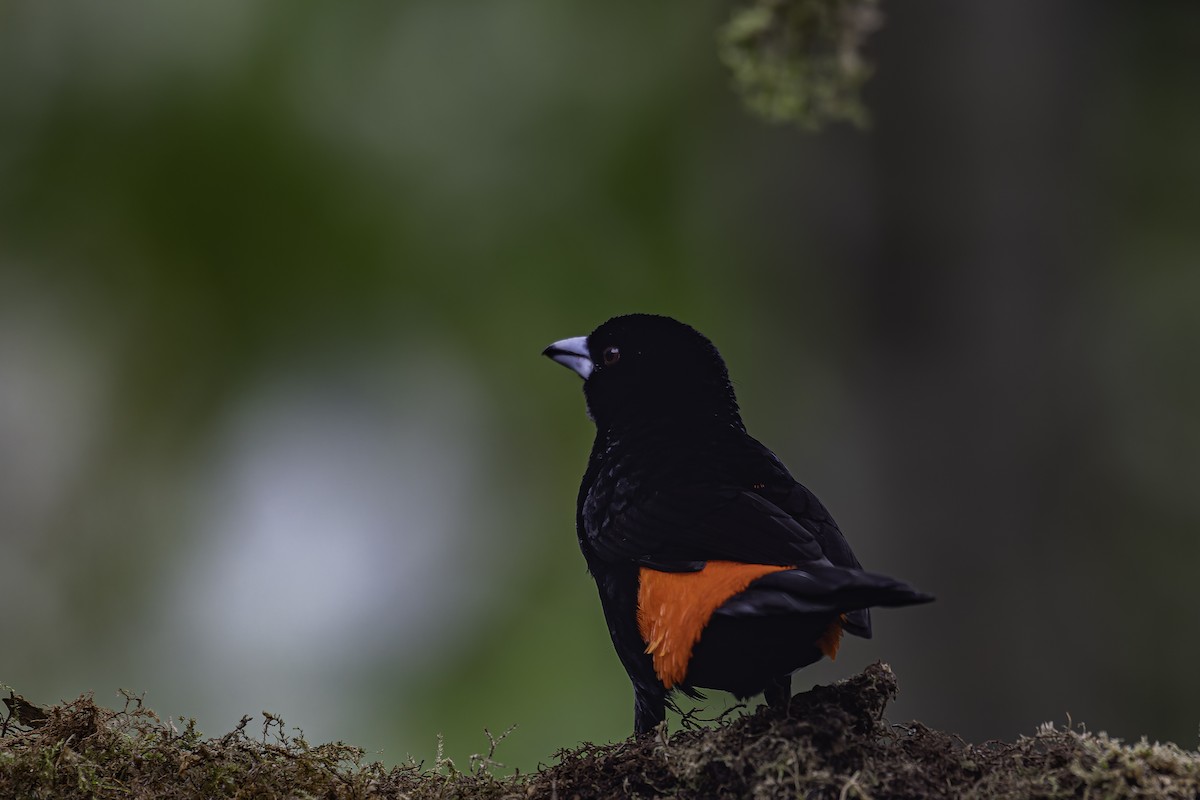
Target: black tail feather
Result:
[821, 588]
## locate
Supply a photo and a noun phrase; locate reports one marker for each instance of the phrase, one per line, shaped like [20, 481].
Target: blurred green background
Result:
[274, 278]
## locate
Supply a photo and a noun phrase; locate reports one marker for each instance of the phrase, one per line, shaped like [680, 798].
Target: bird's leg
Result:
[649, 709]
[778, 693]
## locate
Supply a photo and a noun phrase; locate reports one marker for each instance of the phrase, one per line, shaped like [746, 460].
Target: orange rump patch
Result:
[674, 607]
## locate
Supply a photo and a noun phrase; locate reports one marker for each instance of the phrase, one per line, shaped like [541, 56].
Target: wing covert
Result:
[678, 530]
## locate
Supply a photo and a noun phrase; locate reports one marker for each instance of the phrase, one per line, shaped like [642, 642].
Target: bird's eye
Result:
[611, 356]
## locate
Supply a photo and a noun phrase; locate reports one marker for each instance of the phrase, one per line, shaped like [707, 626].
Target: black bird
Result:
[716, 568]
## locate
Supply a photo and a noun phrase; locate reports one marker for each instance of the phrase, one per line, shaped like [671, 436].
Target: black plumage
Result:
[675, 484]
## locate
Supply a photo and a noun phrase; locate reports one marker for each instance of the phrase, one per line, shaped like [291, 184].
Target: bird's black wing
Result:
[803, 506]
[743, 506]
[679, 528]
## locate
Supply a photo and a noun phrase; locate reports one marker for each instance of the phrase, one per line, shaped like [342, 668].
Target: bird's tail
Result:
[823, 588]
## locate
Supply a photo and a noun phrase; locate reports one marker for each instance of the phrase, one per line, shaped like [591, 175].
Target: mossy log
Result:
[833, 743]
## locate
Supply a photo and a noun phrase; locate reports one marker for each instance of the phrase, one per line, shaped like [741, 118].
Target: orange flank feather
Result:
[674, 607]
[831, 639]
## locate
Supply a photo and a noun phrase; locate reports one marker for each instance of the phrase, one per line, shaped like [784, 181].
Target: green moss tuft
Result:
[81, 750]
[800, 61]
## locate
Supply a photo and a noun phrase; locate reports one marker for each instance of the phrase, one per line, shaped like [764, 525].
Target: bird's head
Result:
[643, 368]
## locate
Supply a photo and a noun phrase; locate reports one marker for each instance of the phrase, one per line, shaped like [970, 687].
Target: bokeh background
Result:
[274, 278]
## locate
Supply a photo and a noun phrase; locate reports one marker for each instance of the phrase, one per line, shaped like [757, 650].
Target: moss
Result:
[800, 61]
[833, 743]
[81, 750]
